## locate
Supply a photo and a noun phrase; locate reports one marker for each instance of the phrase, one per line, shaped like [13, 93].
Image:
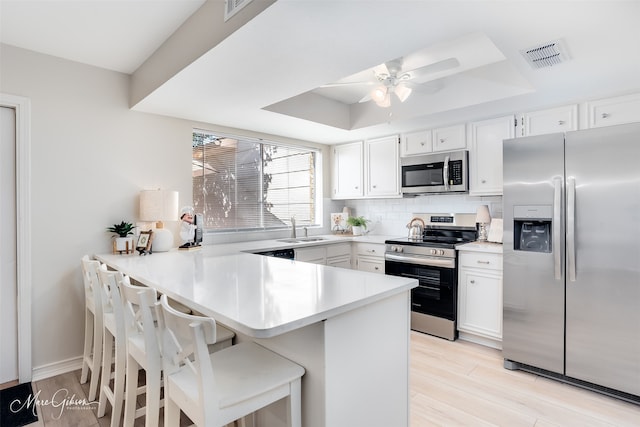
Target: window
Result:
[245, 184]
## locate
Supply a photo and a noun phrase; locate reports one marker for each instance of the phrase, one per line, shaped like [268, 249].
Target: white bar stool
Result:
[216, 389]
[113, 333]
[92, 355]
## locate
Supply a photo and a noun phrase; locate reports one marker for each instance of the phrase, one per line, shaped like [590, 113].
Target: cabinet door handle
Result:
[605, 115]
[483, 262]
[372, 251]
[561, 122]
[375, 186]
[376, 268]
[442, 140]
[472, 281]
[422, 143]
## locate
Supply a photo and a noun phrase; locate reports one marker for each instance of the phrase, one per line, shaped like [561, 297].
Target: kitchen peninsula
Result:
[349, 329]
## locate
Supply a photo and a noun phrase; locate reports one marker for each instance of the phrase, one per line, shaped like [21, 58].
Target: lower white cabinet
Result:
[480, 297]
[369, 257]
[315, 255]
[339, 255]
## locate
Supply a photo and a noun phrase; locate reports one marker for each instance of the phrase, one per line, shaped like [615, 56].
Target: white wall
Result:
[90, 157]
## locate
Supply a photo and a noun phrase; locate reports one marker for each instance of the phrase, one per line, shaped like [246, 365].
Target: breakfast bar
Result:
[349, 329]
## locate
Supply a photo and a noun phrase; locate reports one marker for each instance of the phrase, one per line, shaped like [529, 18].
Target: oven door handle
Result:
[422, 260]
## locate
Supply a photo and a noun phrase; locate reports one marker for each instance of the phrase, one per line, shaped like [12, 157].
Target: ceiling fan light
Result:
[378, 94]
[385, 102]
[402, 92]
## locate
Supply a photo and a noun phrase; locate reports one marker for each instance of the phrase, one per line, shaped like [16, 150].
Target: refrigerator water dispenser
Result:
[532, 228]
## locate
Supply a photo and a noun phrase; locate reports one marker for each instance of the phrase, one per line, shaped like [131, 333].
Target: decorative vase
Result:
[357, 230]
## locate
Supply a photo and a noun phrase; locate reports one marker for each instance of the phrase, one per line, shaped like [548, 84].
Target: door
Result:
[8, 288]
[533, 304]
[603, 319]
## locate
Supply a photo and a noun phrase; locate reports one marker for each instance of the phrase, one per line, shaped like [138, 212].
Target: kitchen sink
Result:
[301, 239]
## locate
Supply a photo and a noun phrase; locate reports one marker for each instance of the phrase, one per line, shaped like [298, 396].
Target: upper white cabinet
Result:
[428, 141]
[347, 179]
[416, 143]
[614, 111]
[485, 156]
[449, 138]
[560, 119]
[382, 167]
[369, 169]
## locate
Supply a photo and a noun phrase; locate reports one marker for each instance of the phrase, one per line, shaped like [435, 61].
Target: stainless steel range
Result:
[432, 259]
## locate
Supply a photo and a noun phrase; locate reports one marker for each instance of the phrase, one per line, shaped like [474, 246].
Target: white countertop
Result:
[259, 296]
[487, 247]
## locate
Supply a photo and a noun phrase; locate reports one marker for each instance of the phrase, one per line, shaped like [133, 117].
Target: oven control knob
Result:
[433, 252]
[441, 252]
[397, 248]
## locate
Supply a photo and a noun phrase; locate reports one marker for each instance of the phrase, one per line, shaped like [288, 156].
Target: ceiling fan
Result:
[389, 78]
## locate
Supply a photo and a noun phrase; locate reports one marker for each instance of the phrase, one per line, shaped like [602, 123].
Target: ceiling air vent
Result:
[231, 7]
[546, 55]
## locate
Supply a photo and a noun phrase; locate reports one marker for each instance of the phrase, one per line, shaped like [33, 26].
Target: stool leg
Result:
[88, 341]
[107, 350]
[118, 385]
[295, 404]
[96, 360]
[153, 397]
[171, 410]
[132, 392]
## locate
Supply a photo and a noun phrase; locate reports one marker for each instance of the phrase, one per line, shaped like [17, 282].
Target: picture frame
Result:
[144, 242]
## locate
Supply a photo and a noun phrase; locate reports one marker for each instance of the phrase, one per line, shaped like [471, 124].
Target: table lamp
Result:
[483, 218]
[158, 206]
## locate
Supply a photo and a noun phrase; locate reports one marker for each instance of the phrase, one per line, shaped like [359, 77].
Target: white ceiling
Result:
[296, 46]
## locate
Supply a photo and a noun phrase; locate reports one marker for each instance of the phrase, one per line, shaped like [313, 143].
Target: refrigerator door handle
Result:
[557, 212]
[571, 228]
[445, 173]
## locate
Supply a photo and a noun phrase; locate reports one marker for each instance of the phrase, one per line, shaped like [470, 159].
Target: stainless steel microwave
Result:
[435, 173]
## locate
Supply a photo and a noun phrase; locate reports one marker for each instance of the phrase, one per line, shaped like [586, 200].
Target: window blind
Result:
[244, 184]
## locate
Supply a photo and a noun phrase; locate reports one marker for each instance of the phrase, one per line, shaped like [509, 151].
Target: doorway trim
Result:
[22, 107]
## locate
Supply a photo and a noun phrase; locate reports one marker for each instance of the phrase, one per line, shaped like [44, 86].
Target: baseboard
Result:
[56, 368]
[488, 342]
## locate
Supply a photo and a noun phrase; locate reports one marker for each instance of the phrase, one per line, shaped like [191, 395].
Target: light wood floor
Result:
[452, 384]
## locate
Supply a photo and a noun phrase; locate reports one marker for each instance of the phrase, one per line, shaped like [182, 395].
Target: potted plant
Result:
[358, 224]
[122, 243]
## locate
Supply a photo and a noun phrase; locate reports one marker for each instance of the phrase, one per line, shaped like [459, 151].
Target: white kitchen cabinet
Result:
[614, 111]
[416, 143]
[480, 297]
[347, 180]
[382, 167]
[369, 257]
[552, 120]
[449, 138]
[315, 255]
[485, 156]
[339, 255]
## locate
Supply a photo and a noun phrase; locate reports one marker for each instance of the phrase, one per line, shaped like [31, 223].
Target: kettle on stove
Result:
[416, 227]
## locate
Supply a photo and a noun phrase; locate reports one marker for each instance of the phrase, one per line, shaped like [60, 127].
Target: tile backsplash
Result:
[390, 216]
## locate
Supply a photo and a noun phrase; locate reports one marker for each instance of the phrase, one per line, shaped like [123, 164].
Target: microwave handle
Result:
[445, 173]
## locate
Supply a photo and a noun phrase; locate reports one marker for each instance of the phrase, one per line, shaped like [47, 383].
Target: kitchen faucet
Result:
[293, 227]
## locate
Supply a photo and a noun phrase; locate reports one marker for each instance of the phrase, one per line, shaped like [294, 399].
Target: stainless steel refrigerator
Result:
[572, 256]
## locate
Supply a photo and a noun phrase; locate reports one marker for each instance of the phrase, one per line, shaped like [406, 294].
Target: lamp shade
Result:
[158, 205]
[482, 215]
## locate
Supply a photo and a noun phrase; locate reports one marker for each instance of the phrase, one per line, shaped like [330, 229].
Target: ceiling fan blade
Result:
[436, 67]
[348, 84]
[432, 86]
[365, 99]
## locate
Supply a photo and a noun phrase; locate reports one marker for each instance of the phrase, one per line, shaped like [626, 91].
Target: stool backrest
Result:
[91, 281]
[140, 309]
[111, 297]
[184, 344]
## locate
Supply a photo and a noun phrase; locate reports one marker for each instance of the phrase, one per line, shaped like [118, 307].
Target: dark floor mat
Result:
[17, 406]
